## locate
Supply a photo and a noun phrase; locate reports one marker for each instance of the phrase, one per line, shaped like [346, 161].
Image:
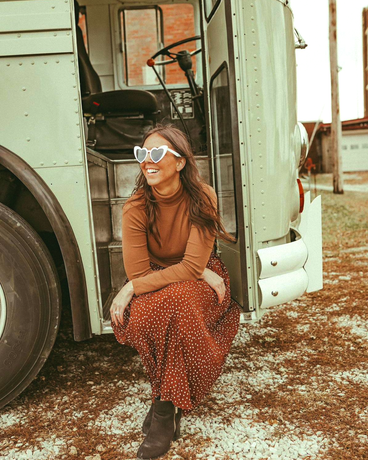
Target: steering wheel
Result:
[173, 56]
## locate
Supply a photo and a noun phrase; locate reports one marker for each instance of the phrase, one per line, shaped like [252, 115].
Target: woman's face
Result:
[164, 175]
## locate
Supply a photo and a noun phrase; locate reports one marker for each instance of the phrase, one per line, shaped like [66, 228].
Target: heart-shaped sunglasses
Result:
[156, 154]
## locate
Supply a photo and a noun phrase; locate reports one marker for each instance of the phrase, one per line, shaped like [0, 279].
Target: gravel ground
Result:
[294, 385]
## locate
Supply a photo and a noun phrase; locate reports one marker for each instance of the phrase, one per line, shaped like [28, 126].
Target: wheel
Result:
[173, 56]
[30, 304]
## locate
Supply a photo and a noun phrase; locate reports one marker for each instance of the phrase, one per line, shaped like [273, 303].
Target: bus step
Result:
[107, 305]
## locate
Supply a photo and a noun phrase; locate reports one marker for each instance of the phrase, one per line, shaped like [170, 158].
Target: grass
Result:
[345, 218]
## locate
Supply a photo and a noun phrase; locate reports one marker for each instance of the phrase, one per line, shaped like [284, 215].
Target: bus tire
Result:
[30, 304]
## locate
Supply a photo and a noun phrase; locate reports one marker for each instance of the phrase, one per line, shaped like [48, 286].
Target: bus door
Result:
[225, 149]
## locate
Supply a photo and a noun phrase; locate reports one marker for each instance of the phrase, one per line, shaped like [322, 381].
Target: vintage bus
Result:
[80, 86]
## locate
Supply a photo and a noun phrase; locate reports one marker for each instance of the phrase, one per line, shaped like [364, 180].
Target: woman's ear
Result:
[180, 164]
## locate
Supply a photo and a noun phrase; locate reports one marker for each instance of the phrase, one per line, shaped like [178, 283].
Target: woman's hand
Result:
[216, 283]
[120, 302]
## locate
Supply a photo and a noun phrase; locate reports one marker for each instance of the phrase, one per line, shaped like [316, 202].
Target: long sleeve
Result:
[197, 253]
[183, 247]
[135, 252]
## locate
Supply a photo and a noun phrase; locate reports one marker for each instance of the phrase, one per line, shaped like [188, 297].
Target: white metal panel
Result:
[21, 16]
[283, 288]
[267, 95]
[310, 229]
[40, 108]
[31, 44]
[69, 184]
[42, 122]
[281, 259]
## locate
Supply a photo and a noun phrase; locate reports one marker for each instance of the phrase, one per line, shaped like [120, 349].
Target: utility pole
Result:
[336, 132]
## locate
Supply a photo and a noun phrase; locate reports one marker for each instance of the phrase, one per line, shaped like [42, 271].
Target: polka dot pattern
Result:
[183, 336]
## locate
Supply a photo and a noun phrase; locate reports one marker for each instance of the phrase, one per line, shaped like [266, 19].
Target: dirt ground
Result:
[295, 385]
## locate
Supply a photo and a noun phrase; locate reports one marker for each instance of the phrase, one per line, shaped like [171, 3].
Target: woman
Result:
[176, 308]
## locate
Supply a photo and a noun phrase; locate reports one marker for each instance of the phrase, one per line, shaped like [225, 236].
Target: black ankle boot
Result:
[165, 427]
[147, 421]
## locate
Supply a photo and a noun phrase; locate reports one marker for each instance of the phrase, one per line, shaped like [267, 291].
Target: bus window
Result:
[145, 31]
[223, 149]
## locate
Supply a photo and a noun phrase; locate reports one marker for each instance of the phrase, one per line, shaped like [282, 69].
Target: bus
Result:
[81, 83]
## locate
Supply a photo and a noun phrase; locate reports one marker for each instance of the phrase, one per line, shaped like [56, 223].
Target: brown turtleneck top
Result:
[184, 251]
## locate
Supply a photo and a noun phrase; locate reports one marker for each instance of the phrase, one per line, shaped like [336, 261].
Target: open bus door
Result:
[225, 148]
[256, 150]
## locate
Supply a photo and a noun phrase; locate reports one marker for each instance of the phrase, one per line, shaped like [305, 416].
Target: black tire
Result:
[30, 286]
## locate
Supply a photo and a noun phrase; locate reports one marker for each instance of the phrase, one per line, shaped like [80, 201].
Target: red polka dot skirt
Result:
[182, 335]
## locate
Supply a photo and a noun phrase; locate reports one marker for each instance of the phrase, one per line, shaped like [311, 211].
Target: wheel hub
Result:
[2, 311]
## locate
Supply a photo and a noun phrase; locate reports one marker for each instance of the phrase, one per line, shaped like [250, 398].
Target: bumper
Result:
[289, 270]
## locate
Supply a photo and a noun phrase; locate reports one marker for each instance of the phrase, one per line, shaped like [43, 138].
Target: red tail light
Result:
[301, 195]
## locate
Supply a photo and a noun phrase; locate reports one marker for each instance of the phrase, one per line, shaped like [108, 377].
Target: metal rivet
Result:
[45, 62]
[42, 163]
[275, 293]
[255, 81]
[259, 142]
[54, 162]
[261, 167]
[21, 63]
[8, 65]
[274, 263]
[28, 139]
[262, 191]
[258, 119]
[254, 43]
[19, 35]
[57, 62]
[257, 94]
[25, 114]
[80, 161]
[55, 34]
[255, 68]
[66, 162]
[23, 88]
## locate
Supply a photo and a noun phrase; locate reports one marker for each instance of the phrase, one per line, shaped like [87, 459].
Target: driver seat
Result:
[117, 120]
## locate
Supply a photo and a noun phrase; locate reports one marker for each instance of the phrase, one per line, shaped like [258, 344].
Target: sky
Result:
[311, 18]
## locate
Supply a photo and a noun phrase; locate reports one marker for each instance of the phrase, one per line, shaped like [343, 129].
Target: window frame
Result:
[122, 29]
[118, 58]
[223, 67]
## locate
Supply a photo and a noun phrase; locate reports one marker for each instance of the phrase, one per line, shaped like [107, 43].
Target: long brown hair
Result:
[202, 213]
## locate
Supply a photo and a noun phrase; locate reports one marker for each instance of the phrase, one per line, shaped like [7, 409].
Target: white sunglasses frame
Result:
[165, 147]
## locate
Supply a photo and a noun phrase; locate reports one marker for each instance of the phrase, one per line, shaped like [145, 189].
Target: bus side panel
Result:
[268, 49]
[41, 119]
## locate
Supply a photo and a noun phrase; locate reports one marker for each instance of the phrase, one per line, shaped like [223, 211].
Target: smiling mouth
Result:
[152, 171]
